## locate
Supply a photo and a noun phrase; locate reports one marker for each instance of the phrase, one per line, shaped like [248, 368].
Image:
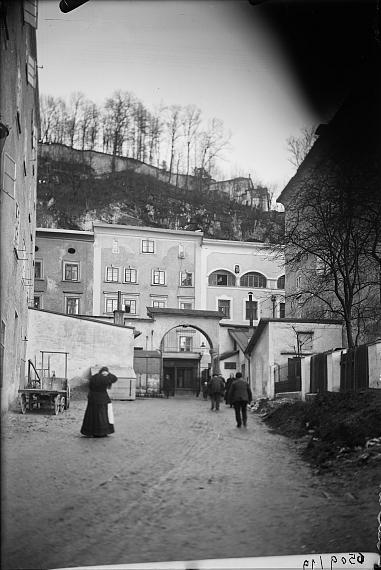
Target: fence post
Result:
[305, 364]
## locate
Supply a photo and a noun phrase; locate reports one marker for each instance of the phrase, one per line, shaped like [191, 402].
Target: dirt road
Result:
[176, 481]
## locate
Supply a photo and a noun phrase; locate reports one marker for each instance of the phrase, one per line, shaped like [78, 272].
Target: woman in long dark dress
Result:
[98, 420]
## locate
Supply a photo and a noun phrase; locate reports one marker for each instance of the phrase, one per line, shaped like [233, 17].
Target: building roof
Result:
[152, 311]
[59, 233]
[228, 354]
[264, 322]
[103, 225]
[241, 337]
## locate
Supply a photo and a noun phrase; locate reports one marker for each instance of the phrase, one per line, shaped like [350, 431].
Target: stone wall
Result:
[88, 343]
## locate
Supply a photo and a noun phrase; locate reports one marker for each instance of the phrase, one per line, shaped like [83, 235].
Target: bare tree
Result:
[116, 120]
[298, 147]
[190, 122]
[173, 122]
[211, 143]
[332, 230]
[73, 117]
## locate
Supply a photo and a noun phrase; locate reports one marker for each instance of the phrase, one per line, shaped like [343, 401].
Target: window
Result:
[281, 282]
[130, 275]
[254, 309]
[158, 277]
[222, 278]
[71, 271]
[282, 310]
[37, 302]
[230, 365]
[72, 305]
[130, 306]
[38, 269]
[112, 274]
[148, 246]
[304, 341]
[9, 178]
[111, 305]
[253, 279]
[224, 307]
[186, 279]
[159, 304]
[186, 305]
[298, 281]
[181, 251]
[30, 12]
[185, 343]
[115, 246]
[17, 226]
[31, 71]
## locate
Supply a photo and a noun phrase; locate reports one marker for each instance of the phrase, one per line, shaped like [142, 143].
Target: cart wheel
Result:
[23, 403]
[56, 405]
[62, 404]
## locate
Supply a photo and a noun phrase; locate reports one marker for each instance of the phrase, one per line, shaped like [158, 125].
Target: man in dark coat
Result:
[216, 387]
[240, 395]
[229, 382]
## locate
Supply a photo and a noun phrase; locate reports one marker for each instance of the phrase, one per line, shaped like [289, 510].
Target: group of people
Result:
[99, 422]
[236, 392]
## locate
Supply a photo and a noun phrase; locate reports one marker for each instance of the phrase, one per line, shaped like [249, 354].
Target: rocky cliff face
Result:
[73, 193]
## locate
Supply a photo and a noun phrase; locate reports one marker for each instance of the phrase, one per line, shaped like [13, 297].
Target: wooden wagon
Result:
[44, 389]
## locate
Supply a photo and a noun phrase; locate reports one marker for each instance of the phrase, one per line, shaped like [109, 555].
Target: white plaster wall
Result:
[374, 359]
[88, 343]
[260, 367]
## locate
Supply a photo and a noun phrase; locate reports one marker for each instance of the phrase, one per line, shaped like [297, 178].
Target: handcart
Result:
[44, 389]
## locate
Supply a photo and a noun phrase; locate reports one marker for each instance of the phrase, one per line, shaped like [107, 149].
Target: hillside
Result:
[71, 195]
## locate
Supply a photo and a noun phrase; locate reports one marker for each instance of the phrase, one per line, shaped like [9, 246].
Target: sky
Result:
[217, 55]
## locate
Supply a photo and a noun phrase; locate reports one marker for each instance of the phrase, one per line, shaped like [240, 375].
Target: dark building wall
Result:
[20, 117]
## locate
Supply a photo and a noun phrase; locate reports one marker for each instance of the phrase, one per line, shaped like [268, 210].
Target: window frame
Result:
[69, 298]
[132, 271]
[307, 346]
[256, 310]
[38, 262]
[214, 276]
[148, 242]
[159, 273]
[187, 274]
[188, 343]
[229, 304]
[74, 264]
[159, 303]
[283, 282]
[254, 275]
[112, 268]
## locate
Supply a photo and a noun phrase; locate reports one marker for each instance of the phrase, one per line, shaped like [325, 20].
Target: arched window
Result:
[222, 278]
[281, 282]
[253, 279]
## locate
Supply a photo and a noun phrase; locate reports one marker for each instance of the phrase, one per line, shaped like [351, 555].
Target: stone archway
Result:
[178, 368]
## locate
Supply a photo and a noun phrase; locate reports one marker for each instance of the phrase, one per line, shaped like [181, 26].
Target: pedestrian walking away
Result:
[205, 390]
[229, 382]
[99, 420]
[240, 395]
[216, 387]
[167, 385]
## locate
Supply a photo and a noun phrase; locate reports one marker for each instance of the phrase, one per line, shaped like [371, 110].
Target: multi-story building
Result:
[19, 125]
[143, 274]
[63, 271]
[151, 267]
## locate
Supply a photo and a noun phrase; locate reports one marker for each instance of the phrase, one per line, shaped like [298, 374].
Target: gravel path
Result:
[176, 481]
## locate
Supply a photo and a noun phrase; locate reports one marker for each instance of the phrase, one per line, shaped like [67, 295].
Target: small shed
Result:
[147, 366]
[125, 387]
